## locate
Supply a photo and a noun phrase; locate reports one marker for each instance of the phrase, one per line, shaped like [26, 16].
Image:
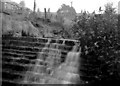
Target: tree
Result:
[99, 46]
[109, 9]
[22, 3]
[67, 12]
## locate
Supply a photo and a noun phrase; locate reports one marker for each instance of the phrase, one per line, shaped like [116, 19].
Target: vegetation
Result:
[22, 3]
[100, 45]
[66, 12]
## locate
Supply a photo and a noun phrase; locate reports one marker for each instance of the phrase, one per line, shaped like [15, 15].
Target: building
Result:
[8, 5]
[13, 8]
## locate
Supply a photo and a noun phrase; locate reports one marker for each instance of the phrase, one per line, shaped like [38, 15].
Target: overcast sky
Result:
[88, 5]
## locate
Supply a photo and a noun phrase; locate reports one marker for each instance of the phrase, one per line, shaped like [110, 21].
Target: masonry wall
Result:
[21, 54]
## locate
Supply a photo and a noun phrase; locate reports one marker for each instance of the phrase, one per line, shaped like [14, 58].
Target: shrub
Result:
[100, 45]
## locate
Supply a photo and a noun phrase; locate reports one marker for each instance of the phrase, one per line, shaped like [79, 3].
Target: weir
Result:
[28, 60]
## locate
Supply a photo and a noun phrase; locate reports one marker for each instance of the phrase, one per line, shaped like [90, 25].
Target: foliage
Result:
[109, 8]
[22, 3]
[66, 12]
[100, 45]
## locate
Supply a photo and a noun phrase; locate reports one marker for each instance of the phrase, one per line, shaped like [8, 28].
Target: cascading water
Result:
[48, 68]
[32, 61]
[48, 59]
[68, 72]
[37, 71]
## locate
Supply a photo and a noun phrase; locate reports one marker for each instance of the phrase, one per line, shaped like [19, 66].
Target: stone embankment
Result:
[28, 60]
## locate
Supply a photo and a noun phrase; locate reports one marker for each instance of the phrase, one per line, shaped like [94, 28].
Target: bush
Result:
[100, 46]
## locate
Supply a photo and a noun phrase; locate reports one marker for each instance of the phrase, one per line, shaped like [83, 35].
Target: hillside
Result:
[33, 27]
[10, 24]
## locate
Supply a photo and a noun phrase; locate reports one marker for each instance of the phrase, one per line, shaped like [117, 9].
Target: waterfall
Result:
[68, 72]
[49, 70]
[38, 70]
[48, 59]
[71, 66]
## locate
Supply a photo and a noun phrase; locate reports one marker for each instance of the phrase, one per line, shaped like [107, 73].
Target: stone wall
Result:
[39, 61]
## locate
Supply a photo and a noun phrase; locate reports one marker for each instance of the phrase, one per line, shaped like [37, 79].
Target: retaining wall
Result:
[22, 55]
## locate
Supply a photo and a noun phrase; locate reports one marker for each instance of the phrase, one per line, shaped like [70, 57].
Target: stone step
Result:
[72, 77]
[54, 81]
[34, 78]
[70, 69]
[72, 57]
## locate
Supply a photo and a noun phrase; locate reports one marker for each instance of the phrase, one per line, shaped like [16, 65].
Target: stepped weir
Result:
[32, 61]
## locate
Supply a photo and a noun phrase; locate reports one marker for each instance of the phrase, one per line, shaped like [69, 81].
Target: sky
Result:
[54, 5]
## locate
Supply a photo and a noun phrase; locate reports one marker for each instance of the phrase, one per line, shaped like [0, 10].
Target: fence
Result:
[38, 60]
